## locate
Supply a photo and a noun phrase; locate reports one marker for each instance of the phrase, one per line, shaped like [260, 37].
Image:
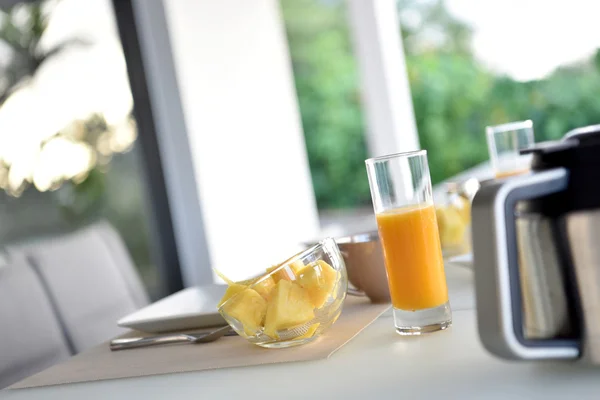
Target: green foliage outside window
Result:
[454, 96]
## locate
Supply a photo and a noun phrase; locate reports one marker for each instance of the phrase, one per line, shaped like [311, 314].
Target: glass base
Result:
[422, 321]
[285, 343]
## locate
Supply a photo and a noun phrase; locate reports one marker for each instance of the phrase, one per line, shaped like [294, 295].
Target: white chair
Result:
[62, 295]
[31, 338]
[91, 281]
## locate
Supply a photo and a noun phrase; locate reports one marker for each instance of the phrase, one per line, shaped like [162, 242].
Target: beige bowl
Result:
[363, 257]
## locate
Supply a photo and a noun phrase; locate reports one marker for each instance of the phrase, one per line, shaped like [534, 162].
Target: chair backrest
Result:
[31, 338]
[90, 280]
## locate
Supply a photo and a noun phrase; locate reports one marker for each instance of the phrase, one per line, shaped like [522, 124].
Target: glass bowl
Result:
[293, 303]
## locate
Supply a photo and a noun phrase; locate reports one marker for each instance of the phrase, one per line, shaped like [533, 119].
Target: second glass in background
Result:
[504, 144]
[406, 218]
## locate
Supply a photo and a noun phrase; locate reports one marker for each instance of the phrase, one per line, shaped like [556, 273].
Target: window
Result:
[470, 64]
[69, 153]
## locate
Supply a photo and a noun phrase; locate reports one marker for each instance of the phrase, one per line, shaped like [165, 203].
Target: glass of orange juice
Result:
[408, 232]
[505, 143]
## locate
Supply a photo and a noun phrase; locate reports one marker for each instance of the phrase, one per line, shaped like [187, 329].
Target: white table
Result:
[377, 364]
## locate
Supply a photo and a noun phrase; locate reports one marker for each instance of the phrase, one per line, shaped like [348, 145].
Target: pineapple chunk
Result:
[288, 273]
[297, 266]
[282, 274]
[465, 210]
[249, 308]
[232, 290]
[289, 307]
[264, 287]
[451, 226]
[319, 280]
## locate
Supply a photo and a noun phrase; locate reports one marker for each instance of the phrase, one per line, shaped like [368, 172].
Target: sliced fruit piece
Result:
[297, 266]
[231, 291]
[318, 279]
[285, 273]
[289, 307]
[249, 308]
[282, 274]
[222, 276]
[264, 286]
[465, 210]
[451, 226]
[289, 272]
[247, 282]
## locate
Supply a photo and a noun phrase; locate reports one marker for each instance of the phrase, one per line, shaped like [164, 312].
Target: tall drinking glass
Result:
[408, 231]
[504, 144]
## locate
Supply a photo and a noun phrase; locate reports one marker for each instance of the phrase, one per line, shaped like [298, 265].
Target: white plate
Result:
[191, 308]
[464, 260]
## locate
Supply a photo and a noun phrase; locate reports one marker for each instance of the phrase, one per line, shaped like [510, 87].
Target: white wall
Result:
[236, 82]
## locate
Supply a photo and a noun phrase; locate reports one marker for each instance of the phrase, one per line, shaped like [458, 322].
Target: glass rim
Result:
[508, 127]
[406, 154]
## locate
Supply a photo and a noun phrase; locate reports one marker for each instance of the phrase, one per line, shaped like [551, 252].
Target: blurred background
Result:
[274, 114]
[470, 64]
[68, 151]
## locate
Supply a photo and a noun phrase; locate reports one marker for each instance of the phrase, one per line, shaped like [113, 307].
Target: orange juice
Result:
[506, 174]
[413, 257]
